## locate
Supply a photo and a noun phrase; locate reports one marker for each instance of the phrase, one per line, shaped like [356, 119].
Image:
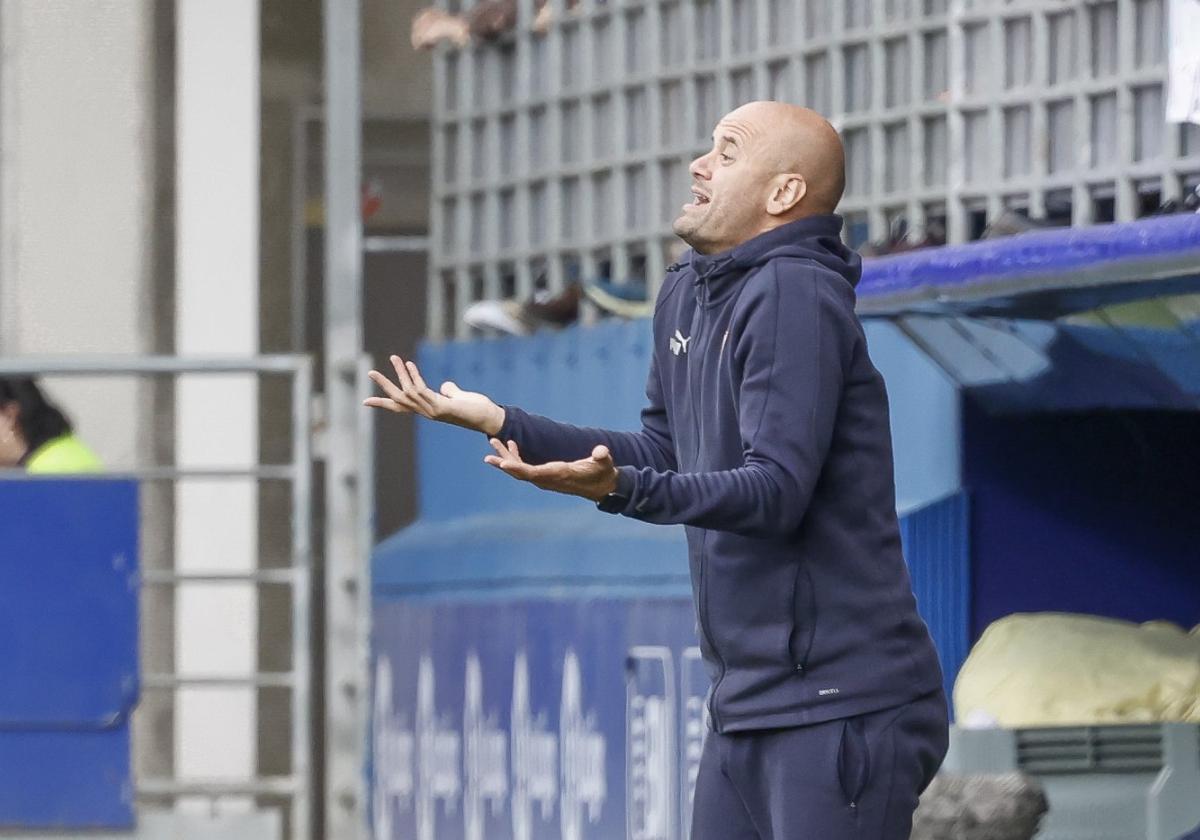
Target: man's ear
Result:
[788, 191]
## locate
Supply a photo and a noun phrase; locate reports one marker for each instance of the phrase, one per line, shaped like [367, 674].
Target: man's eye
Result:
[726, 158]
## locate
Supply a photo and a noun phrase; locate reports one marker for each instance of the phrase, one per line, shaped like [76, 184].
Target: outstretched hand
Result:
[450, 404]
[592, 478]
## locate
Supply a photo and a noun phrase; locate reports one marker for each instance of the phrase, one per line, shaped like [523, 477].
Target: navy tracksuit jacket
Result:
[766, 435]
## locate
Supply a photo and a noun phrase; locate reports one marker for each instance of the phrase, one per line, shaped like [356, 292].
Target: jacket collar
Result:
[712, 270]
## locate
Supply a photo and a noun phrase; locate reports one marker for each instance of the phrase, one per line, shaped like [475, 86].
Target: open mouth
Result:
[700, 198]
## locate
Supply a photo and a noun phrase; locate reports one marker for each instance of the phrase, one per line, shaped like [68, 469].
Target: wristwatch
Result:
[618, 499]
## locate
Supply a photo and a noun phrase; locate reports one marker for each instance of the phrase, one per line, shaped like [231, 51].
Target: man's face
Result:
[730, 186]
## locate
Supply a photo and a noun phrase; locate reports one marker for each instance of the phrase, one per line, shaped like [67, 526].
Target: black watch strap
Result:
[613, 503]
[618, 499]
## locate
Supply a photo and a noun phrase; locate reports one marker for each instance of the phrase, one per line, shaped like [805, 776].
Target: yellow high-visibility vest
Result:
[66, 454]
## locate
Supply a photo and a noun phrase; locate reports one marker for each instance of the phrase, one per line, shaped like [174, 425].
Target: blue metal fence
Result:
[937, 546]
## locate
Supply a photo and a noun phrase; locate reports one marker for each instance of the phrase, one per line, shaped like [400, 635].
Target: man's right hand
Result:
[451, 404]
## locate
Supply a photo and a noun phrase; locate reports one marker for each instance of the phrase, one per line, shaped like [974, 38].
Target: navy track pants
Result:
[852, 779]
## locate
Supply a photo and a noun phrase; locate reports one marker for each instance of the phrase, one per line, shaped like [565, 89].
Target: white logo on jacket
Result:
[678, 343]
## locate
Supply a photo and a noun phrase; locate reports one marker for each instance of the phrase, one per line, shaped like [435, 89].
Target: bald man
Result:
[766, 435]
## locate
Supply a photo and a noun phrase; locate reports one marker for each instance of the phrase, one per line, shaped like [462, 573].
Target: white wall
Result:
[76, 162]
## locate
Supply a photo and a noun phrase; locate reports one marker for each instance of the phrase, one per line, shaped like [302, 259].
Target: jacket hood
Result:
[816, 238]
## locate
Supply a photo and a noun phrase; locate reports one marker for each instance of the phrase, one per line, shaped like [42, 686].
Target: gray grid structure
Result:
[571, 149]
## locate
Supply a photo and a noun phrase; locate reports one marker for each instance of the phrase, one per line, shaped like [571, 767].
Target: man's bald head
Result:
[799, 140]
[771, 163]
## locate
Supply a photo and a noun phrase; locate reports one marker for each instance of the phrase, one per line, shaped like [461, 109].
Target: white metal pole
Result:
[346, 580]
[302, 693]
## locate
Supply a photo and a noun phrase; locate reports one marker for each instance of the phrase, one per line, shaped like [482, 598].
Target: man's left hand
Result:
[592, 478]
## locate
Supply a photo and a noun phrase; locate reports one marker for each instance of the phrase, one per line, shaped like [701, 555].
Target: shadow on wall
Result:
[1084, 512]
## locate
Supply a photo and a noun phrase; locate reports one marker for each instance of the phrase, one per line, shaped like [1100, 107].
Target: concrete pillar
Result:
[76, 165]
[217, 259]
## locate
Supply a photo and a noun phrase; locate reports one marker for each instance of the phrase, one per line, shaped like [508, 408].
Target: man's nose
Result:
[700, 168]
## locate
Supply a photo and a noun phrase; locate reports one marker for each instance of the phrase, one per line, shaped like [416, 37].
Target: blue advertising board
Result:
[69, 675]
[535, 719]
[545, 683]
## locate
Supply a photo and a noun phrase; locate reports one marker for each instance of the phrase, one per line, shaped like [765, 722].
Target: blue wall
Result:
[596, 376]
[1092, 513]
[925, 418]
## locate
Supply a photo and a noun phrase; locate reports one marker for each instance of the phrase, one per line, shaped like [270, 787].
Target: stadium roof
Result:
[1041, 274]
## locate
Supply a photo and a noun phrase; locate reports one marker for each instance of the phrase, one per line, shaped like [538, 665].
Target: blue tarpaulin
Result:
[1052, 271]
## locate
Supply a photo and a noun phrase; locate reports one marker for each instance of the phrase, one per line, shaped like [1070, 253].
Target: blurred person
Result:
[35, 435]
[766, 435]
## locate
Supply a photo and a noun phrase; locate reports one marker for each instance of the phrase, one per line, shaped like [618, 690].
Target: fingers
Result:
[406, 381]
[421, 392]
[386, 404]
[585, 478]
[402, 373]
[396, 401]
[416, 377]
[506, 452]
[406, 395]
[516, 469]
[507, 458]
[503, 457]
[399, 401]
[449, 389]
[386, 385]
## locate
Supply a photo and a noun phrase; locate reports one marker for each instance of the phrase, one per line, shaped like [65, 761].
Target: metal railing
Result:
[297, 786]
[571, 148]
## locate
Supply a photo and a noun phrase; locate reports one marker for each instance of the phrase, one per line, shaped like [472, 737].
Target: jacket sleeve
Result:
[792, 349]
[541, 439]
